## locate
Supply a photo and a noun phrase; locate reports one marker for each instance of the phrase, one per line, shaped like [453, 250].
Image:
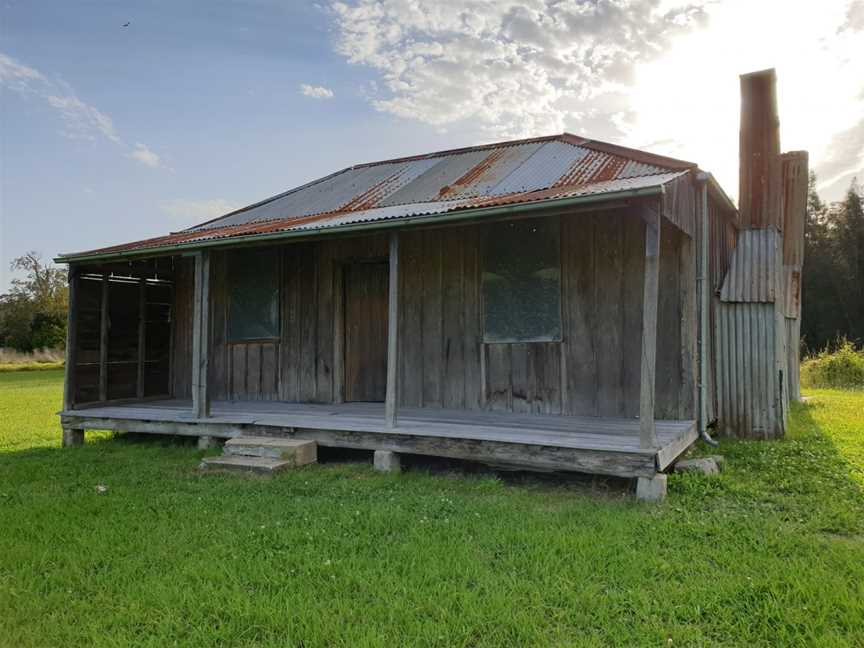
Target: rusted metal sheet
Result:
[749, 402]
[759, 183]
[501, 174]
[796, 178]
[753, 273]
[792, 291]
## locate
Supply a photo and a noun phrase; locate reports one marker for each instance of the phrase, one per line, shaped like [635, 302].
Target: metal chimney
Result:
[759, 195]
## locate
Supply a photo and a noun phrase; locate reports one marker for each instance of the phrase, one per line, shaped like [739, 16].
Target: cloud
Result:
[185, 212]
[145, 156]
[316, 92]
[81, 121]
[659, 74]
[512, 67]
[843, 160]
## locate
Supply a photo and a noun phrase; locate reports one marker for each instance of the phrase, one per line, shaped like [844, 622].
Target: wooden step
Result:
[297, 451]
[261, 465]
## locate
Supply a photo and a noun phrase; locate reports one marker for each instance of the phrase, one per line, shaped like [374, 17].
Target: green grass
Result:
[770, 553]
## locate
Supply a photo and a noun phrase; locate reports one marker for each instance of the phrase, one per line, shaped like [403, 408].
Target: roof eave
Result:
[395, 223]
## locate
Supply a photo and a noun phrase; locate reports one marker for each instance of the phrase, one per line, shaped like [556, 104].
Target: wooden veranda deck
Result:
[608, 446]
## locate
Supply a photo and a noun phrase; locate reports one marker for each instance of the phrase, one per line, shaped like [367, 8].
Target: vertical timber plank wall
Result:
[442, 361]
[301, 365]
[181, 349]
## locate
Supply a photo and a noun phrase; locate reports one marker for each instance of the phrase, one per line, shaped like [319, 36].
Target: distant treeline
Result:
[33, 312]
[833, 277]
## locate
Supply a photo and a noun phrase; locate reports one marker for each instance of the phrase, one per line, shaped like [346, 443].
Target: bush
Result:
[843, 368]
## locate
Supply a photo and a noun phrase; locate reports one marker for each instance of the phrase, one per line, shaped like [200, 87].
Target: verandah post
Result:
[392, 333]
[200, 335]
[71, 437]
[647, 430]
[104, 323]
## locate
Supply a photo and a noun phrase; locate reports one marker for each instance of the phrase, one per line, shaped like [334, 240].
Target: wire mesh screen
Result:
[253, 294]
[522, 281]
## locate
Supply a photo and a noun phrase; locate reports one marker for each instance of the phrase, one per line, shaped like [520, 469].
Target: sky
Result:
[121, 120]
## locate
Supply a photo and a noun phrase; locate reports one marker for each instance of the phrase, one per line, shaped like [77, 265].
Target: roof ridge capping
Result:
[569, 138]
[625, 151]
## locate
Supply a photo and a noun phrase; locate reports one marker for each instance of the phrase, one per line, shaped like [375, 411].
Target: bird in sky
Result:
[126, 24]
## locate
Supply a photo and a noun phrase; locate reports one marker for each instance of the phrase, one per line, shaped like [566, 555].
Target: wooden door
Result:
[366, 288]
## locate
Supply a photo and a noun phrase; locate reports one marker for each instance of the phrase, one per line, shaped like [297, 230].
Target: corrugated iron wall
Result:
[722, 238]
[795, 170]
[752, 275]
[747, 383]
[751, 339]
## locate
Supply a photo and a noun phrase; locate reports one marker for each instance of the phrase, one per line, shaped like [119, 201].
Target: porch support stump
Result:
[205, 442]
[200, 335]
[647, 428]
[651, 489]
[387, 461]
[72, 437]
[392, 396]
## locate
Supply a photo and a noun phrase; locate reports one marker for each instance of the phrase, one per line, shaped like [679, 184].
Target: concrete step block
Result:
[260, 465]
[298, 451]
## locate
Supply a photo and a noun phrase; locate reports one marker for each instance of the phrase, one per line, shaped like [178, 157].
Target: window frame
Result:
[231, 259]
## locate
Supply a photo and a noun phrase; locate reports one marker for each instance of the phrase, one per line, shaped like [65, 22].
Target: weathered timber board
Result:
[543, 457]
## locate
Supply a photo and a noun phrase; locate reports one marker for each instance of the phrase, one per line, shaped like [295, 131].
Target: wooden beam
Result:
[201, 335]
[142, 333]
[392, 334]
[69, 386]
[647, 429]
[103, 340]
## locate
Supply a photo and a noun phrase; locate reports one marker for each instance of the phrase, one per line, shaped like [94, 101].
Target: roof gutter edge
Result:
[393, 223]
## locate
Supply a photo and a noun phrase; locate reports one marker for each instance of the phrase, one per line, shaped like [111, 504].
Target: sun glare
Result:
[692, 91]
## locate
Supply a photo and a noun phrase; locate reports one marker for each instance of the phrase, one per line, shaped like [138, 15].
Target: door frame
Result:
[340, 267]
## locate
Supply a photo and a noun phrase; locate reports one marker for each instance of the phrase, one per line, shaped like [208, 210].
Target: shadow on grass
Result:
[805, 478]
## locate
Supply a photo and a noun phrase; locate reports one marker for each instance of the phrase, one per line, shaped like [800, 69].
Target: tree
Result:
[850, 257]
[833, 279]
[33, 312]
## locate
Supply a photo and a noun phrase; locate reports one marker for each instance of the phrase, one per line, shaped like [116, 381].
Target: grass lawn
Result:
[770, 553]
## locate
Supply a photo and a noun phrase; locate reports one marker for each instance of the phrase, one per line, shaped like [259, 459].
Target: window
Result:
[253, 295]
[522, 282]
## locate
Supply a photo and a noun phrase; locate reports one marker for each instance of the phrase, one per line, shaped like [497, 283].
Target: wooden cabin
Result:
[546, 304]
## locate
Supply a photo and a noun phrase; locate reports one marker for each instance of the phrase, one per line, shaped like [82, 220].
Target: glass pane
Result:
[253, 294]
[522, 281]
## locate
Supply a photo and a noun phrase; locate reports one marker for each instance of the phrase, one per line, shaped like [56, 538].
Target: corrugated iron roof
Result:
[507, 173]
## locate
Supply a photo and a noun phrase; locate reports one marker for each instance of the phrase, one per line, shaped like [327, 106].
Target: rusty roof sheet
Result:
[507, 173]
